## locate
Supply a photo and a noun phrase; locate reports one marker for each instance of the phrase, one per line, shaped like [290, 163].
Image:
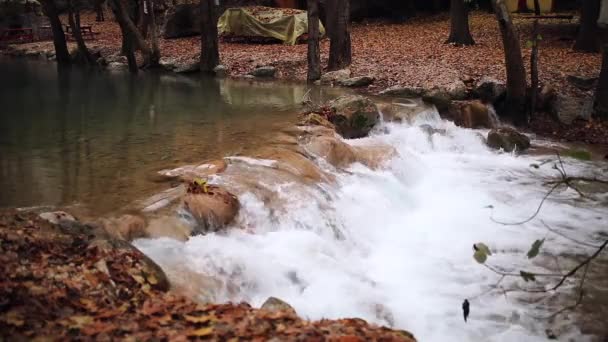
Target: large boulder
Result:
[221, 71]
[187, 67]
[182, 21]
[354, 116]
[403, 110]
[489, 89]
[126, 227]
[583, 82]
[403, 91]
[117, 67]
[264, 72]
[161, 200]
[314, 119]
[335, 151]
[568, 108]
[507, 139]
[472, 114]
[171, 226]
[359, 81]
[442, 96]
[57, 217]
[374, 156]
[291, 161]
[335, 76]
[339, 154]
[276, 305]
[213, 208]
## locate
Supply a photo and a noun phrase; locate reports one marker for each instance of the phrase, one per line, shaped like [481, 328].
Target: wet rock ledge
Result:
[71, 281]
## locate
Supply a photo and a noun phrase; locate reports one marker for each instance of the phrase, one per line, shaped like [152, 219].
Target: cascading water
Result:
[394, 246]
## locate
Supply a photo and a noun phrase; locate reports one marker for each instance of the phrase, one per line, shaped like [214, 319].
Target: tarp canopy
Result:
[284, 24]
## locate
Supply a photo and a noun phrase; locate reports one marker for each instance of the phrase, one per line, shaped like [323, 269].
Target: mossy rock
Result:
[508, 140]
[354, 116]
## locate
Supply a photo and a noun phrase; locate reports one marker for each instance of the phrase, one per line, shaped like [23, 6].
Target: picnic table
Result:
[17, 35]
[85, 30]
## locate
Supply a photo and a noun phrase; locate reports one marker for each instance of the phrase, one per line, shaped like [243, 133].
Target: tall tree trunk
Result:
[459, 22]
[155, 49]
[210, 55]
[61, 47]
[74, 21]
[515, 103]
[340, 54]
[130, 33]
[587, 39]
[601, 93]
[534, 61]
[99, 10]
[127, 44]
[314, 53]
[145, 19]
[130, 54]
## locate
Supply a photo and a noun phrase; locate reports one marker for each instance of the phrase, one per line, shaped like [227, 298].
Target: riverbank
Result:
[68, 281]
[412, 54]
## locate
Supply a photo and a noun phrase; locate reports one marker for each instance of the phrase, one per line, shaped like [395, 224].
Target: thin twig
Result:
[582, 264]
[579, 299]
[533, 215]
[556, 232]
[509, 274]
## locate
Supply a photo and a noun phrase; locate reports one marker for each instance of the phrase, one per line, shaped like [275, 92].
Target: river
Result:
[392, 246]
[95, 139]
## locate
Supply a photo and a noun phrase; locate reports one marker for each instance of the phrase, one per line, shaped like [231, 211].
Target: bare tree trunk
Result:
[61, 47]
[130, 53]
[127, 44]
[601, 93]
[340, 54]
[459, 24]
[155, 53]
[131, 35]
[210, 55]
[145, 12]
[588, 34]
[314, 53]
[77, 33]
[515, 103]
[534, 61]
[99, 10]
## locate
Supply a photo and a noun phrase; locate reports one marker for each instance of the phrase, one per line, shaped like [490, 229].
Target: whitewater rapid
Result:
[394, 246]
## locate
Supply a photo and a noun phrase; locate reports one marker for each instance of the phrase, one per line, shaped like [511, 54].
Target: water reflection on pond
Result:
[96, 138]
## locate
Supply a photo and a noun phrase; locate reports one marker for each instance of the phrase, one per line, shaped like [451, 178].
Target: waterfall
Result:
[394, 246]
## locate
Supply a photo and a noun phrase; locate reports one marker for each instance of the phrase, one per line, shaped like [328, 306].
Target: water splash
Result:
[393, 246]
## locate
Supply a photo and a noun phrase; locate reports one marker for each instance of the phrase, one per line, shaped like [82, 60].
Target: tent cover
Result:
[284, 24]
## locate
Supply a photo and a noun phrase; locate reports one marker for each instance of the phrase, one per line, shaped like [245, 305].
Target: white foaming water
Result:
[395, 246]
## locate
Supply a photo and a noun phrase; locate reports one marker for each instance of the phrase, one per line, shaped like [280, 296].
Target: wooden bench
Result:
[552, 16]
[85, 30]
[17, 35]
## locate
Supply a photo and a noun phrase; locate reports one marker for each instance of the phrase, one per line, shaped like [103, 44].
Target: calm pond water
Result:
[91, 138]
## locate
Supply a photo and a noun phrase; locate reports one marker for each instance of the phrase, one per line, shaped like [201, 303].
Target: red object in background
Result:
[522, 5]
[17, 35]
[286, 3]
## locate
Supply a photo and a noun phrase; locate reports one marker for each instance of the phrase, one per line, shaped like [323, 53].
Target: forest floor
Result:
[409, 54]
[59, 282]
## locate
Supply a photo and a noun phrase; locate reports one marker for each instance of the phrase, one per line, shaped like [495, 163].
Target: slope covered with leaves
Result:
[413, 53]
[61, 283]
